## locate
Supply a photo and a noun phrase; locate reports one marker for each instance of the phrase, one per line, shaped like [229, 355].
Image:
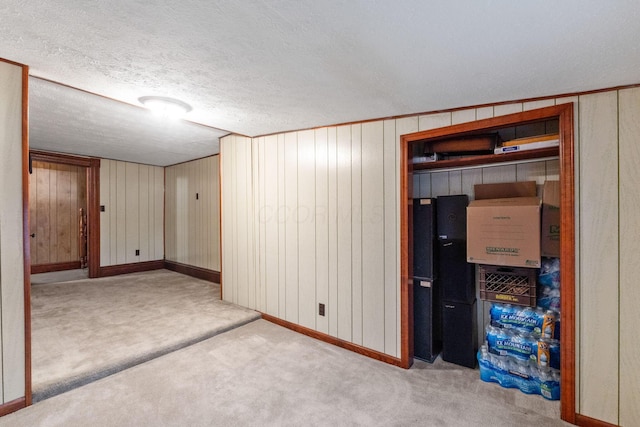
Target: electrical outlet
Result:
[137, 252]
[321, 309]
[102, 208]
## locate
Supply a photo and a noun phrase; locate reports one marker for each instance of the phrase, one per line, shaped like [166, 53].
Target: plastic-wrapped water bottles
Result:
[527, 376]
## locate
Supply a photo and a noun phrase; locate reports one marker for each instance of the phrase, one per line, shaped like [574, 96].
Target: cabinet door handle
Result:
[33, 234]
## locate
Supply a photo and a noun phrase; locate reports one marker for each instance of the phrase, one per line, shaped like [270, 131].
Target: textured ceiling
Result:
[258, 67]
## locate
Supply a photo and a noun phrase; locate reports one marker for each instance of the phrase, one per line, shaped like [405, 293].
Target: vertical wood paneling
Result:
[344, 226]
[121, 212]
[143, 219]
[629, 104]
[373, 290]
[244, 213]
[433, 121]
[33, 220]
[215, 212]
[455, 182]
[281, 217]
[332, 229]
[599, 256]
[532, 105]
[64, 214]
[105, 217]
[291, 223]
[132, 212]
[504, 109]
[42, 224]
[390, 245]
[111, 200]
[269, 218]
[257, 191]
[53, 211]
[439, 184]
[356, 232]
[484, 113]
[12, 308]
[534, 171]
[424, 181]
[463, 116]
[228, 216]
[322, 227]
[192, 211]
[495, 174]
[306, 228]
[158, 213]
[133, 196]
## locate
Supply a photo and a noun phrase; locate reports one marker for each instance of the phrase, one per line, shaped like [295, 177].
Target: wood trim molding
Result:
[564, 113]
[13, 406]
[136, 267]
[333, 340]
[584, 421]
[56, 266]
[190, 270]
[93, 218]
[60, 158]
[26, 238]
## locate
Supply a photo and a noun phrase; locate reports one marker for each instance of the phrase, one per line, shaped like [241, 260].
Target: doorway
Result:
[57, 212]
[564, 114]
[80, 231]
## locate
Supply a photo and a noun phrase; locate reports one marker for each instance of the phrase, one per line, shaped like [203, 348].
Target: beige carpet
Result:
[261, 374]
[86, 329]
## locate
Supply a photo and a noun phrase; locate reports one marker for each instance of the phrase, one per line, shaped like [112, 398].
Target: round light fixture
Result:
[164, 106]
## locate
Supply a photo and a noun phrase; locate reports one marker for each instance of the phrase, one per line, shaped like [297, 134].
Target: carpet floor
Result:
[84, 330]
[261, 374]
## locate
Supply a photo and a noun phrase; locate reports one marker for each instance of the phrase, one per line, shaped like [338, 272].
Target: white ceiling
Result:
[258, 67]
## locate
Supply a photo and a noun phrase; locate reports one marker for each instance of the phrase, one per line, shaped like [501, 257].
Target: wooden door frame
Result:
[92, 166]
[564, 114]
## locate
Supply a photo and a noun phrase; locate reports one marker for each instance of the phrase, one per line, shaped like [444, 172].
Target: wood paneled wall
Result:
[192, 213]
[57, 192]
[312, 217]
[133, 219]
[12, 305]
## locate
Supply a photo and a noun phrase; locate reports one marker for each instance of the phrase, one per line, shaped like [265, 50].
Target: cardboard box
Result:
[550, 228]
[504, 231]
[505, 189]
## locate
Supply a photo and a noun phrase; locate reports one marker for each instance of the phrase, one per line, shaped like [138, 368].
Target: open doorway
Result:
[62, 236]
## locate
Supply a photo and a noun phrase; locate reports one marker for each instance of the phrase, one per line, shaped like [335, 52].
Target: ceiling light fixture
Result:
[164, 106]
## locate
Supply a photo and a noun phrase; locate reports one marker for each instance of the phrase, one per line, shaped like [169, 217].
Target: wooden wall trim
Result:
[26, 237]
[584, 421]
[136, 267]
[564, 113]
[56, 266]
[333, 340]
[13, 406]
[190, 270]
[568, 267]
[93, 218]
[60, 158]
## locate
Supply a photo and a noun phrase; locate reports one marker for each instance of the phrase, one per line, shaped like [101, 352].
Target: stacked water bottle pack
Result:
[522, 350]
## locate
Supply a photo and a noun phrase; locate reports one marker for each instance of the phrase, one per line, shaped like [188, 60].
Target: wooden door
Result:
[57, 193]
